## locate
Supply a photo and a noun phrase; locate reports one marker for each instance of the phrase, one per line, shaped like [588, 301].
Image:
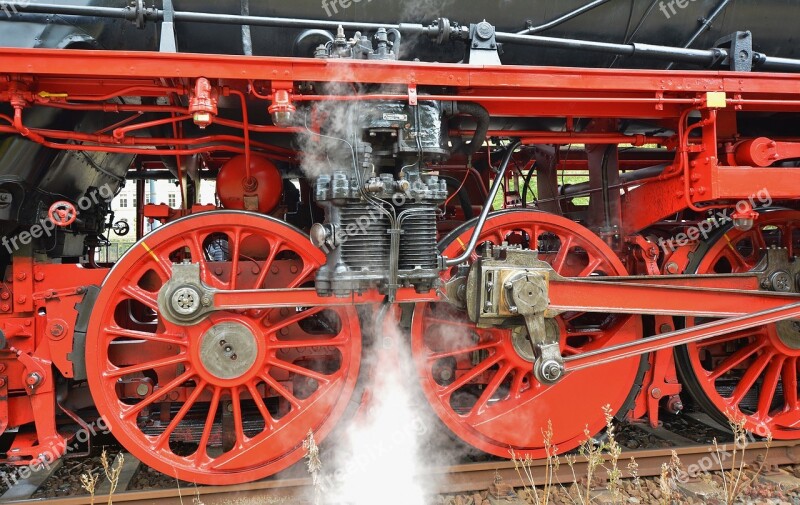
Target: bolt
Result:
[2, 382]
[275, 270]
[223, 342]
[5, 295]
[57, 329]
[142, 389]
[228, 348]
[665, 328]
[5, 307]
[656, 393]
[229, 408]
[39, 277]
[22, 299]
[672, 268]
[218, 271]
[2, 368]
[33, 379]
[22, 276]
[234, 357]
[293, 269]
[206, 301]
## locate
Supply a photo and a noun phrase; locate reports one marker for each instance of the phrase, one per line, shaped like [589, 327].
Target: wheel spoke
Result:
[234, 245]
[238, 423]
[262, 407]
[769, 386]
[591, 267]
[457, 352]
[163, 439]
[470, 375]
[282, 391]
[735, 360]
[144, 297]
[489, 390]
[561, 258]
[299, 370]
[303, 344]
[729, 337]
[273, 253]
[789, 382]
[143, 335]
[149, 365]
[202, 444]
[297, 317]
[750, 377]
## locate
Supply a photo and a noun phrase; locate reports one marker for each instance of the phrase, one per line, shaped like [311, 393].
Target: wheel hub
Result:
[228, 350]
[789, 333]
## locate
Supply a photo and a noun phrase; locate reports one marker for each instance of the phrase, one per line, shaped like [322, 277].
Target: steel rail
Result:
[466, 478]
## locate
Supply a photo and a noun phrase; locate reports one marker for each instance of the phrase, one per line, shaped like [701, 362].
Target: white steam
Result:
[384, 452]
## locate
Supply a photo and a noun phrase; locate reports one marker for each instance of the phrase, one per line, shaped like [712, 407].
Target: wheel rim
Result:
[750, 374]
[512, 409]
[241, 389]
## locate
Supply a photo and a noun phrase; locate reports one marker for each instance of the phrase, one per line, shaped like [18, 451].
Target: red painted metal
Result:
[484, 390]
[305, 373]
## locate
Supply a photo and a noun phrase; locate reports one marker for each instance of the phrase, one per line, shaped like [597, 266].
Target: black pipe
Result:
[625, 178]
[563, 19]
[482, 120]
[703, 57]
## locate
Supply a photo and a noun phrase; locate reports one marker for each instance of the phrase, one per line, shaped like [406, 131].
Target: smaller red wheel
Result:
[63, 213]
[751, 374]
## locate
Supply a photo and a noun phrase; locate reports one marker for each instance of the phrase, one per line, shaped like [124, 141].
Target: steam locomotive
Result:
[568, 206]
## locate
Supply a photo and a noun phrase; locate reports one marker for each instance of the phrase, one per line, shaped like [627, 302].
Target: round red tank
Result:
[261, 194]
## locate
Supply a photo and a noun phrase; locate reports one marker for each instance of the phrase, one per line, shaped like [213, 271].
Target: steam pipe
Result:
[476, 233]
[563, 19]
[626, 178]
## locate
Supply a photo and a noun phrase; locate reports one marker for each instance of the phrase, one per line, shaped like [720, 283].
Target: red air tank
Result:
[261, 193]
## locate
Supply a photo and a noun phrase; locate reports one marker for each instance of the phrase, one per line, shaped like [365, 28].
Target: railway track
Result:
[464, 478]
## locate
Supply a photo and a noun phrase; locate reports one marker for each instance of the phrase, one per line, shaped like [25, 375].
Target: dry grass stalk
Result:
[314, 465]
[525, 466]
[89, 483]
[734, 480]
[112, 472]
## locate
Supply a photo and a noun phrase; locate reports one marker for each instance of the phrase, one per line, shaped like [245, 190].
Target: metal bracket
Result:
[740, 51]
[169, 40]
[483, 44]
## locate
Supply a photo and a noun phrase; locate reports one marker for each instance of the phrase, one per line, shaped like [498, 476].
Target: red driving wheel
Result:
[753, 373]
[480, 382]
[231, 398]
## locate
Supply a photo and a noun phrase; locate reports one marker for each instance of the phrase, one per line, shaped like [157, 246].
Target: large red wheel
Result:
[231, 398]
[753, 373]
[480, 382]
